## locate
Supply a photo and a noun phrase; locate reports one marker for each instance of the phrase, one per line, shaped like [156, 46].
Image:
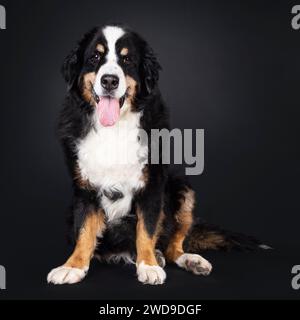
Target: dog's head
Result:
[110, 68]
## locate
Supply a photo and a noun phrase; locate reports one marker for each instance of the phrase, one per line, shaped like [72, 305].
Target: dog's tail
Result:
[209, 237]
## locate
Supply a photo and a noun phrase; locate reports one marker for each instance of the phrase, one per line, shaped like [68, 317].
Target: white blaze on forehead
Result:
[112, 34]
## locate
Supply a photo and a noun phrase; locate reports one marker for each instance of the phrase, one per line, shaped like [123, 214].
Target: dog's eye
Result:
[126, 59]
[95, 57]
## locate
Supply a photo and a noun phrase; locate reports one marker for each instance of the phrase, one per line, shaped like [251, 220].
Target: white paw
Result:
[194, 263]
[64, 274]
[150, 274]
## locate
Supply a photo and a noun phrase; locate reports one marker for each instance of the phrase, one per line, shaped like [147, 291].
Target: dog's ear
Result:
[150, 69]
[71, 66]
[74, 61]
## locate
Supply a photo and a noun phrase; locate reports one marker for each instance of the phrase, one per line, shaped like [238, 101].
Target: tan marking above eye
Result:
[124, 52]
[100, 48]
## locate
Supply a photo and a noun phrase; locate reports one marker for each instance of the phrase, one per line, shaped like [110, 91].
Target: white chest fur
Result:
[111, 158]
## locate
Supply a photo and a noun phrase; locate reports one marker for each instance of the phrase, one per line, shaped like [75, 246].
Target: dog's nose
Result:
[109, 82]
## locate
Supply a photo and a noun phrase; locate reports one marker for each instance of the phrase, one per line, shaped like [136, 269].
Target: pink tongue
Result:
[108, 111]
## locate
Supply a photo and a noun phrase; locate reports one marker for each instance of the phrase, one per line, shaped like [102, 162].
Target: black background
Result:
[229, 67]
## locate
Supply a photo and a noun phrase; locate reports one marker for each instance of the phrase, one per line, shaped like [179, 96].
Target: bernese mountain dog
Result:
[123, 206]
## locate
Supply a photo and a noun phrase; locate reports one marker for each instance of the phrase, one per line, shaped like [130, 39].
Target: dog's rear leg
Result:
[76, 267]
[175, 253]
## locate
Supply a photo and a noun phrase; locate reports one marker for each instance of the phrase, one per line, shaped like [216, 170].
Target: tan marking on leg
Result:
[184, 219]
[93, 226]
[188, 203]
[88, 82]
[144, 243]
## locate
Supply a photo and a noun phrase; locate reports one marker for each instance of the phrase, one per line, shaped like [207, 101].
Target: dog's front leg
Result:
[149, 224]
[76, 267]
